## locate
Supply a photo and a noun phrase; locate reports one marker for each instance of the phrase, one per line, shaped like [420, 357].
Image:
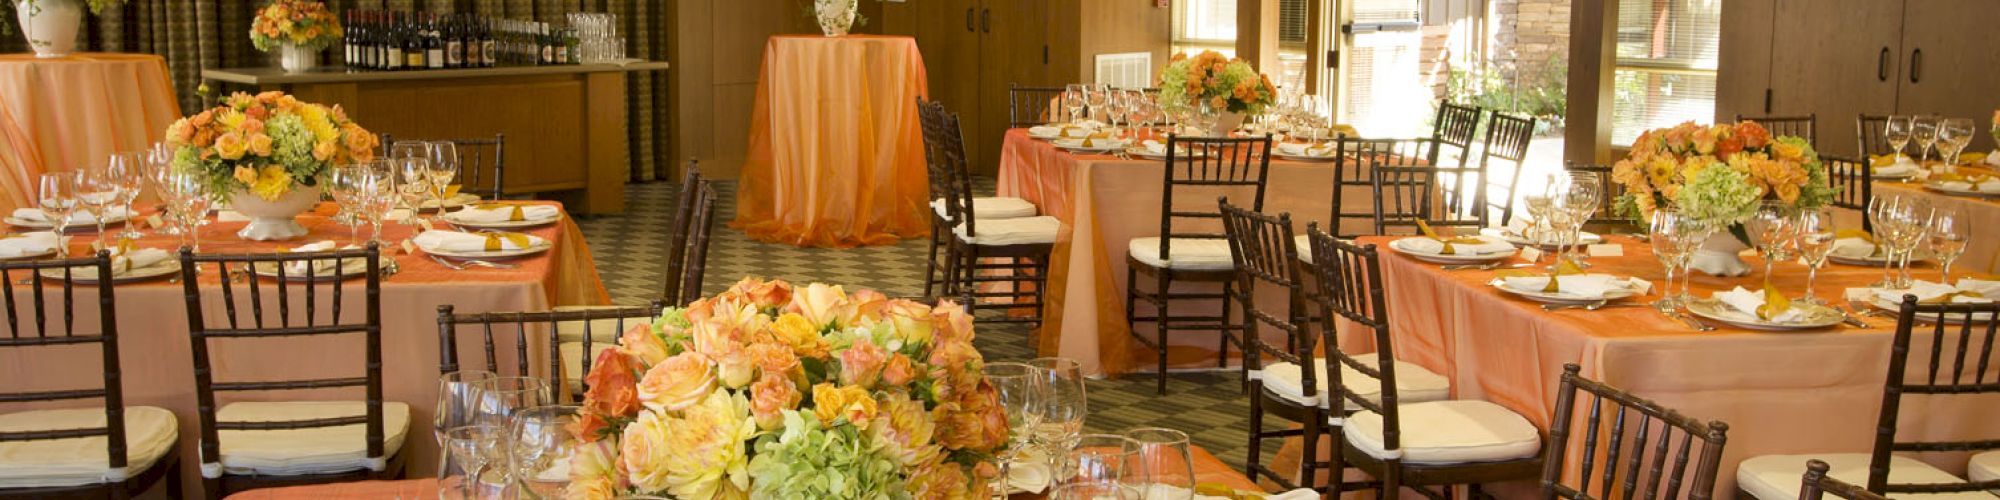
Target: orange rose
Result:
[861, 364]
[677, 383]
[640, 343]
[231, 146]
[772, 358]
[819, 303]
[762, 293]
[613, 382]
[260, 144]
[770, 396]
[899, 371]
[1753, 135]
[587, 427]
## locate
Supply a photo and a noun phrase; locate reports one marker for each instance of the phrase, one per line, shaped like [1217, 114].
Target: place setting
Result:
[129, 264]
[319, 270]
[479, 248]
[503, 215]
[1434, 248]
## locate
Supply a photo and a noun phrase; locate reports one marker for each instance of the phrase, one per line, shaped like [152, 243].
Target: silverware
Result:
[489, 265]
[1592, 306]
[1861, 308]
[1483, 267]
[448, 264]
[1696, 324]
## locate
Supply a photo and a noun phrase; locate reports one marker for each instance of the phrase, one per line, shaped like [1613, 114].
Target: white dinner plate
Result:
[1538, 295]
[1142, 152]
[1875, 260]
[1305, 158]
[538, 247]
[455, 201]
[349, 268]
[1817, 317]
[1438, 258]
[1096, 145]
[1895, 308]
[1939, 187]
[80, 227]
[1583, 237]
[454, 219]
[88, 275]
[32, 256]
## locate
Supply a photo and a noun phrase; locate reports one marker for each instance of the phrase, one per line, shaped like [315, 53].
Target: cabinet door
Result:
[1013, 39]
[1743, 65]
[1950, 51]
[1838, 77]
[947, 33]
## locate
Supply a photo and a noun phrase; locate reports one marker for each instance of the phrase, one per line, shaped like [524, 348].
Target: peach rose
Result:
[900, 371]
[763, 293]
[772, 358]
[231, 146]
[260, 144]
[905, 429]
[864, 304]
[640, 343]
[951, 322]
[613, 382]
[593, 472]
[770, 396]
[677, 383]
[852, 403]
[819, 303]
[939, 480]
[912, 322]
[324, 150]
[861, 364]
[1753, 135]
[724, 344]
[245, 174]
[700, 310]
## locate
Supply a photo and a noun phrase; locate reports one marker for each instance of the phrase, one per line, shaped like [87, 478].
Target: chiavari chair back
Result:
[1804, 127]
[1507, 138]
[1265, 255]
[1606, 218]
[1853, 185]
[1667, 455]
[990, 239]
[1455, 125]
[1870, 131]
[139, 445]
[1031, 106]
[556, 328]
[1816, 485]
[700, 228]
[268, 282]
[1958, 364]
[1355, 159]
[482, 164]
[677, 236]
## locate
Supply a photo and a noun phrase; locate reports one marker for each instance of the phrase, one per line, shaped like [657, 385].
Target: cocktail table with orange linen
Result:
[71, 112]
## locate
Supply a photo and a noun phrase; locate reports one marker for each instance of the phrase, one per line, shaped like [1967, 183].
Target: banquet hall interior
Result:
[1064, 249]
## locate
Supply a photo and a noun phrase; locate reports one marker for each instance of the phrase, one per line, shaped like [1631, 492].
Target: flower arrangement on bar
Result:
[1719, 174]
[1212, 85]
[298, 28]
[767, 391]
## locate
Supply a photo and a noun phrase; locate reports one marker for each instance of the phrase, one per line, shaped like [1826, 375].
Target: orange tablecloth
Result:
[1207, 469]
[1795, 392]
[65, 113]
[1983, 253]
[155, 352]
[1104, 202]
[836, 153]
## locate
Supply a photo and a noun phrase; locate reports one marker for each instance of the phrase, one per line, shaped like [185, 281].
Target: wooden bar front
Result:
[565, 125]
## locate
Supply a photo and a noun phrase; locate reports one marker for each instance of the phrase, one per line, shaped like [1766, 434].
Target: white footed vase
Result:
[1721, 255]
[50, 25]
[273, 220]
[1227, 122]
[835, 16]
[296, 58]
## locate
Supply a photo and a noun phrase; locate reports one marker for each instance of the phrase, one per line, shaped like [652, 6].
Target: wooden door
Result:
[1012, 49]
[1743, 58]
[1949, 51]
[1837, 77]
[947, 35]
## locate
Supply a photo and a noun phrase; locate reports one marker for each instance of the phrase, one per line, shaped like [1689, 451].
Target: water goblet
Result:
[1896, 131]
[413, 176]
[1668, 229]
[97, 193]
[1164, 469]
[1073, 100]
[1923, 132]
[1949, 233]
[539, 447]
[56, 195]
[501, 397]
[458, 399]
[1772, 228]
[1954, 134]
[1814, 239]
[1022, 392]
[127, 172]
[1066, 405]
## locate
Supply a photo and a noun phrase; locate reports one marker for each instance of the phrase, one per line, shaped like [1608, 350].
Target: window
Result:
[1665, 71]
[1211, 25]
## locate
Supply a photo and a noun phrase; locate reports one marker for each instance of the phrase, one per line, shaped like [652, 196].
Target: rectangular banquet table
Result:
[1982, 254]
[157, 364]
[1104, 202]
[1780, 393]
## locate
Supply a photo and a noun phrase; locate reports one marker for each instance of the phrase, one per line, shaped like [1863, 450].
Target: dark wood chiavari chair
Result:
[1805, 127]
[1031, 106]
[473, 157]
[983, 249]
[695, 266]
[1853, 185]
[1193, 254]
[1353, 163]
[1957, 364]
[568, 360]
[375, 454]
[140, 446]
[692, 183]
[937, 139]
[1507, 138]
[1871, 136]
[1403, 444]
[1606, 219]
[1263, 251]
[1816, 485]
[1455, 125]
[1646, 472]
[1408, 194]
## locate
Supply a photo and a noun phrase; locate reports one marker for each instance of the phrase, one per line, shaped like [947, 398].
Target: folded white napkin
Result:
[505, 213]
[79, 217]
[1989, 185]
[1988, 288]
[1061, 130]
[1580, 285]
[1993, 158]
[1299, 149]
[1927, 290]
[1853, 248]
[454, 241]
[1747, 302]
[1099, 143]
[141, 258]
[31, 243]
[319, 266]
[1154, 147]
[1900, 169]
[1486, 245]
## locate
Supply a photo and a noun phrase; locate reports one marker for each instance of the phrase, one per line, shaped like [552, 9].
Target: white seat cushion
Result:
[319, 450]
[573, 360]
[1188, 254]
[1414, 384]
[991, 208]
[149, 433]
[1017, 231]
[1447, 432]
[601, 330]
[1776, 477]
[1303, 244]
[1984, 467]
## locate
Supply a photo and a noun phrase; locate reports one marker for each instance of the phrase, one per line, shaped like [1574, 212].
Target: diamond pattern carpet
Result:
[628, 248]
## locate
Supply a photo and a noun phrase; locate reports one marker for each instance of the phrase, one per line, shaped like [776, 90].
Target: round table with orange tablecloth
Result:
[69, 112]
[836, 153]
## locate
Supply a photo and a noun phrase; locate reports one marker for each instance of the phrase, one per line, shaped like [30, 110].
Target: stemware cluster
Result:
[598, 36]
[1560, 213]
[1947, 136]
[1148, 463]
[1045, 403]
[503, 437]
[1903, 224]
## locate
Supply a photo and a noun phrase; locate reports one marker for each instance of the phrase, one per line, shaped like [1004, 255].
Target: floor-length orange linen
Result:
[153, 334]
[1104, 202]
[836, 154]
[71, 112]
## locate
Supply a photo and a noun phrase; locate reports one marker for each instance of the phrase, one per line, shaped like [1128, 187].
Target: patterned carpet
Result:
[1209, 407]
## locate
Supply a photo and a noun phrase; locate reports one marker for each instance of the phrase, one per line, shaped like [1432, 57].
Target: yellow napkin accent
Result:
[451, 190]
[1775, 302]
[1447, 241]
[1087, 142]
[515, 216]
[1561, 269]
[493, 240]
[1947, 298]
[1972, 158]
[1881, 160]
[124, 246]
[1949, 177]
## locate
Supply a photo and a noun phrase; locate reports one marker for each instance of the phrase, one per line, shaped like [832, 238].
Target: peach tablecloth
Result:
[1104, 202]
[1983, 253]
[836, 153]
[153, 337]
[65, 113]
[1794, 392]
[1207, 469]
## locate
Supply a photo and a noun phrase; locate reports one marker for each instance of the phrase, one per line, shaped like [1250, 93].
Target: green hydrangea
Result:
[808, 460]
[1719, 195]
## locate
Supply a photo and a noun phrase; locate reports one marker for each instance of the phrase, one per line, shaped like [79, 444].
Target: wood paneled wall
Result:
[1116, 26]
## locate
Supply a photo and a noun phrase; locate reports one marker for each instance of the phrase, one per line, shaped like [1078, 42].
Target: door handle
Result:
[1916, 64]
[986, 20]
[968, 20]
[1882, 65]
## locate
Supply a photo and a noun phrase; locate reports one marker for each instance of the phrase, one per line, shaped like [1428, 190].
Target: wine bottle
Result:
[392, 38]
[454, 45]
[413, 43]
[486, 45]
[433, 43]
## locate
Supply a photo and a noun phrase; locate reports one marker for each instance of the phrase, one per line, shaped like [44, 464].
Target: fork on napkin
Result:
[125, 259]
[501, 212]
[455, 241]
[1582, 285]
[1432, 242]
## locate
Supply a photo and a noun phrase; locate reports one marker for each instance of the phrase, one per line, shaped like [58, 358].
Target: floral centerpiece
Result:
[766, 391]
[1719, 174]
[299, 28]
[271, 147]
[1211, 84]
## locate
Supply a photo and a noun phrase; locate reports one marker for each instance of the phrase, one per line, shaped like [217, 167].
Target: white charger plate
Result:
[349, 269]
[1437, 258]
[79, 227]
[88, 275]
[1583, 237]
[1097, 145]
[455, 201]
[454, 219]
[538, 246]
[1894, 307]
[1538, 295]
[1939, 187]
[1817, 317]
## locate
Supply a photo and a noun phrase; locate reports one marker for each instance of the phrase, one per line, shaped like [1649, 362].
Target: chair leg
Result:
[1165, 283]
[1041, 287]
[174, 482]
[1255, 449]
[1336, 461]
[1131, 296]
[931, 265]
[1309, 454]
[968, 287]
[211, 488]
[1392, 478]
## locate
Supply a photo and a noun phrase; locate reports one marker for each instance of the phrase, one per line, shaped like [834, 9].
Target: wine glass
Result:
[1096, 458]
[159, 163]
[1773, 229]
[501, 397]
[458, 399]
[1097, 99]
[1896, 130]
[1163, 468]
[443, 170]
[473, 449]
[376, 196]
[1814, 238]
[413, 176]
[1948, 235]
[97, 193]
[1923, 130]
[345, 183]
[1066, 406]
[1668, 229]
[1023, 392]
[1072, 100]
[56, 195]
[409, 149]
[193, 205]
[126, 171]
[1880, 210]
[1954, 134]
[539, 446]
[1909, 221]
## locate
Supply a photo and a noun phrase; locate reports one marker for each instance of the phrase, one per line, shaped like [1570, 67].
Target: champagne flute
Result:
[1896, 130]
[1815, 237]
[1022, 392]
[539, 447]
[56, 195]
[1164, 467]
[1923, 130]
[97, 193]
[1949, 233]
[126, 171]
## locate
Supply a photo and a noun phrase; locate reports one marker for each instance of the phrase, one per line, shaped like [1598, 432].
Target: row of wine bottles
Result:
[397, 41]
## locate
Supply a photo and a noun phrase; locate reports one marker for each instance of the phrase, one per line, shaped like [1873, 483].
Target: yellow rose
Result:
[677, 383]
[708, 458]
[260, 144]
[246, 175]
[639, 342]
[644, 453]
[819, 303]
[231, 146]
[1786, 151]
[844, 402]
[799, 333]
[324, 150]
